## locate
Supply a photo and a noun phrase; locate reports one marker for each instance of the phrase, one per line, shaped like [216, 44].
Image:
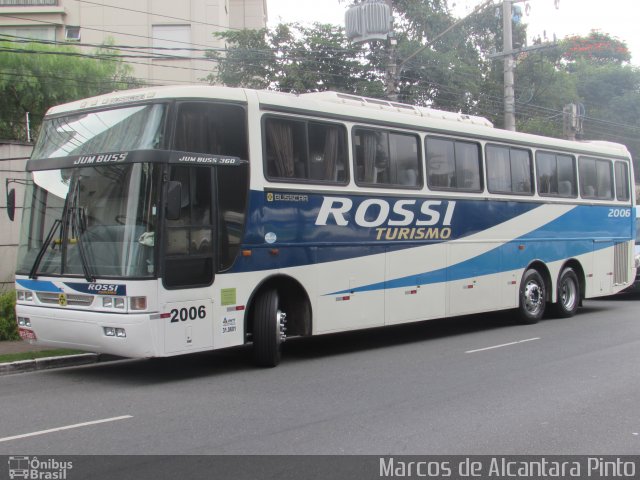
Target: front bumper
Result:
[85, 330]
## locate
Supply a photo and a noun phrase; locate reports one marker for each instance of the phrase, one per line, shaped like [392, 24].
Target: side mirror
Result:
[174, 199]
[11, 204]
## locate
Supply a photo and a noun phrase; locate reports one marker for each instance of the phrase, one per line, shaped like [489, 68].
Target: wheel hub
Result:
[282, 325]
[533, 297]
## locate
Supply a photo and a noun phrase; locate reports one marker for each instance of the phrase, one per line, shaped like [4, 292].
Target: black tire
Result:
[568, 294]
[532, 297]
[267, 334]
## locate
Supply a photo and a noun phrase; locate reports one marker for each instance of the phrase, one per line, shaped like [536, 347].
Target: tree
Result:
[36, 76]
[294, 58]
[591, 70]
[300, 59]
[597, 48]
[449, 71]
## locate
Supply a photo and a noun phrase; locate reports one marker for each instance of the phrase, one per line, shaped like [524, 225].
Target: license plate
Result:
[27, 334]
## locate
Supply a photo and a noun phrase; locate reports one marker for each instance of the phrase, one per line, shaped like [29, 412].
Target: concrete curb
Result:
[48, 362]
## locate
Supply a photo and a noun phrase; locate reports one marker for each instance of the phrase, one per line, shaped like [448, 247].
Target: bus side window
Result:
[453, 165]
[387, 158]
[328, 153]
[556, 175]
[211, 128]
[509, 170]
[285, 155]
[622, 182]
[305, 150]
[596, 180]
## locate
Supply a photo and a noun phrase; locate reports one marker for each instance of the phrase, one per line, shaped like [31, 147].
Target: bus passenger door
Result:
[188, 266]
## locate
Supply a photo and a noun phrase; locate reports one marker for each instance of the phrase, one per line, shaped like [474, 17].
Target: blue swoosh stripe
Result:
[503, 258]
[39, 286]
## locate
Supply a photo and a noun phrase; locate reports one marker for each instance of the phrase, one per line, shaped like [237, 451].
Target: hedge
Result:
[8, 326]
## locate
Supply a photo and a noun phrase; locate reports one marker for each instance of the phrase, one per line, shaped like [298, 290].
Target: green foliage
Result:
[293, 58]
[8, 325]
[35, 77]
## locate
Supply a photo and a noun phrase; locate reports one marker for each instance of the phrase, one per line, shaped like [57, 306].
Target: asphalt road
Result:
[466, 386]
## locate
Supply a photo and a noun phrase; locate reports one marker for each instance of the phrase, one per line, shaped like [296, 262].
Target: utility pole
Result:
[507, 49]
[508, 55]
[391, 72]
[572, 116]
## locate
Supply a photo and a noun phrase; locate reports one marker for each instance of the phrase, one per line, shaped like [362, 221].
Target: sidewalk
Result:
[20, 366]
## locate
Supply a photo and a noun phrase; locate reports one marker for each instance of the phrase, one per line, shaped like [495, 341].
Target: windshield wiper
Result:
[34, 269]
[77, 225]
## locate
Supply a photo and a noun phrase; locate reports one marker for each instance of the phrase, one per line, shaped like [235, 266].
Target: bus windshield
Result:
[129, 128]
[91, 221]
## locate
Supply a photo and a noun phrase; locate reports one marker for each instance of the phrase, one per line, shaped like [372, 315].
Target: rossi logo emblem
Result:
[62, 299]
[403, 219]
[269, 197]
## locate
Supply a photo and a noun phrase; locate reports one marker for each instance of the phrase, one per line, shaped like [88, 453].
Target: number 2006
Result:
[619, 212]
[184, 314]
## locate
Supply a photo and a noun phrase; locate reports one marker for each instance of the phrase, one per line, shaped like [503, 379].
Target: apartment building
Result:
[168, 38]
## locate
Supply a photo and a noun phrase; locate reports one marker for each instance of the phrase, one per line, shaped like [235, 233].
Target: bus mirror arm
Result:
[173, 199]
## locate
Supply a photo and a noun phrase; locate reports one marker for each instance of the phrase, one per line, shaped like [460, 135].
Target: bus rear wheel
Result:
[568, 294]
[268, 329]
[532, 297]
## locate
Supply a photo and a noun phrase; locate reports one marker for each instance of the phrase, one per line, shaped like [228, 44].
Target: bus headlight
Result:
[138, 303]
[114, 332]
[638, 261]
[24, 296]
[24, 322]
[113, 302]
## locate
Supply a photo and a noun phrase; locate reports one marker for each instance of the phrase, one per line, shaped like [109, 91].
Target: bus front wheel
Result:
[568, 294]
[532, 297]
[268, 329]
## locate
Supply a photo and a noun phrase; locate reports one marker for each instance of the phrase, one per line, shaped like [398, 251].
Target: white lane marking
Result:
[503, 345]
[67, 427]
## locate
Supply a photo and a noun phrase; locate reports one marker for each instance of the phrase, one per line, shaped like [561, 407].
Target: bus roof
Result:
[350, 108]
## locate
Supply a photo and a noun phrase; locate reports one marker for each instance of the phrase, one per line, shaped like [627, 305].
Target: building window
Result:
[29, 33]
[29, 3]
[171, 40]
[72, 34]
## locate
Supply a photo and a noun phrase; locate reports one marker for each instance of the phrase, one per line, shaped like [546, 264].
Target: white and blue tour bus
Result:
[172, 220]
